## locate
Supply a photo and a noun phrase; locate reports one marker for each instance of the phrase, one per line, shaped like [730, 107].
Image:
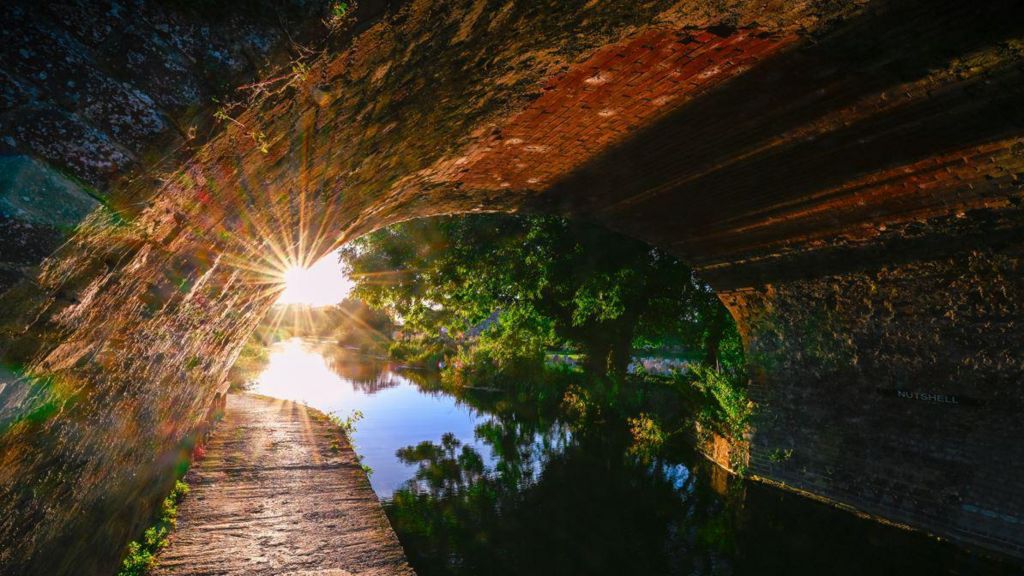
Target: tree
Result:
[565, 281]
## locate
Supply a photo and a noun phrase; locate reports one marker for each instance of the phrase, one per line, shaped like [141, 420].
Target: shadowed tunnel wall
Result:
[848, 179]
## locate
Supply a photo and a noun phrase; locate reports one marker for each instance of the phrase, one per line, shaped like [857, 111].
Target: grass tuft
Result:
[141, 556]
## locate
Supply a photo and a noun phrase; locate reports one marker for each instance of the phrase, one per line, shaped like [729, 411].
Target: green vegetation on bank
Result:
[726, 407]
[503, 302]
[488, 297]
[348, 428]
[504, 289]
[141, 556]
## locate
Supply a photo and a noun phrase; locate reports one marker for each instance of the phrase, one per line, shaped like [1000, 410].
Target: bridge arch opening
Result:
[847, 178]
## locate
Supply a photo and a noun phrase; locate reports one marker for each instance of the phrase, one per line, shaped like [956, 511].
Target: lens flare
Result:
[322, 284]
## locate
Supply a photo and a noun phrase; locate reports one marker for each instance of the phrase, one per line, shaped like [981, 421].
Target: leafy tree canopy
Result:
[548, 281]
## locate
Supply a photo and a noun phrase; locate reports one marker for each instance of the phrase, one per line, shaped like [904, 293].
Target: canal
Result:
[479, 481]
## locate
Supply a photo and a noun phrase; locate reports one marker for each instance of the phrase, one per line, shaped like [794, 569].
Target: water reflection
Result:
[584, 511]
[396, 411]
[478, 482]
[307, 372]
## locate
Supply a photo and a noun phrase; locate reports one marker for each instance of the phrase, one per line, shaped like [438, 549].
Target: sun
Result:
[322, 284]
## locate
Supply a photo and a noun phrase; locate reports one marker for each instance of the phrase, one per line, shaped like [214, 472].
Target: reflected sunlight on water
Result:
[506, 483]
[397, 413]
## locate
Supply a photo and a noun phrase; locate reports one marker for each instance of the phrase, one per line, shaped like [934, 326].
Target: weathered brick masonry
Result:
[603, 99]
[898, 391]
[848, 178]
[859, 211]
[93, 93]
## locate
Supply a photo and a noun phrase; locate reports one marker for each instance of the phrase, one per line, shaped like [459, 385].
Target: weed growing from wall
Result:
[141, 556]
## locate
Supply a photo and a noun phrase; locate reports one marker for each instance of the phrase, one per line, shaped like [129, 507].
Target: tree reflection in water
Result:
[545, 482]
[366, 373]
[569, 497]
[555, 503]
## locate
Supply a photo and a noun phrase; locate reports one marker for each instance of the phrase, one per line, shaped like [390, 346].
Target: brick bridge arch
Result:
[848, 178]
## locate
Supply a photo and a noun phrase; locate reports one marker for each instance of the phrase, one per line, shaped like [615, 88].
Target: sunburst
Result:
[322, 284]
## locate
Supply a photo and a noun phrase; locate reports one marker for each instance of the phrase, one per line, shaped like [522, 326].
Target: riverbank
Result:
[507, 481]
[280, 491]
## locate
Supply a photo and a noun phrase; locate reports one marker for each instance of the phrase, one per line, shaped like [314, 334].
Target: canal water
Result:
[478, 481]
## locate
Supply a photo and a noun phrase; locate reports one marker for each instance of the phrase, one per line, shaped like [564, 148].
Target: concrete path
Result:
[274, 496]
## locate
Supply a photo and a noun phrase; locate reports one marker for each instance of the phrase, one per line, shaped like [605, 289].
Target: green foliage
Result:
[647, 435]
[513, 349]
[576, 402]
[602, 297]
[779, 455]
[348, 424]
[727, 407]
[422, 352]
[259, 137]
[730, 348]
[46, 398]
[300, 71]
[553, 282]
[140, 558]
[138, 562]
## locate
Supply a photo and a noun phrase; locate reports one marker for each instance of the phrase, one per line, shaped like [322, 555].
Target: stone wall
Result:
[783, 151]
[123, 337]
[896, 389]
[94, 94]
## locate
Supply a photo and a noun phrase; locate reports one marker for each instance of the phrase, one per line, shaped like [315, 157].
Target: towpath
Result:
[280, 492]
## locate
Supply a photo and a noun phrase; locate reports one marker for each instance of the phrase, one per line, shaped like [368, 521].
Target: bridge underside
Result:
[848, 179]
